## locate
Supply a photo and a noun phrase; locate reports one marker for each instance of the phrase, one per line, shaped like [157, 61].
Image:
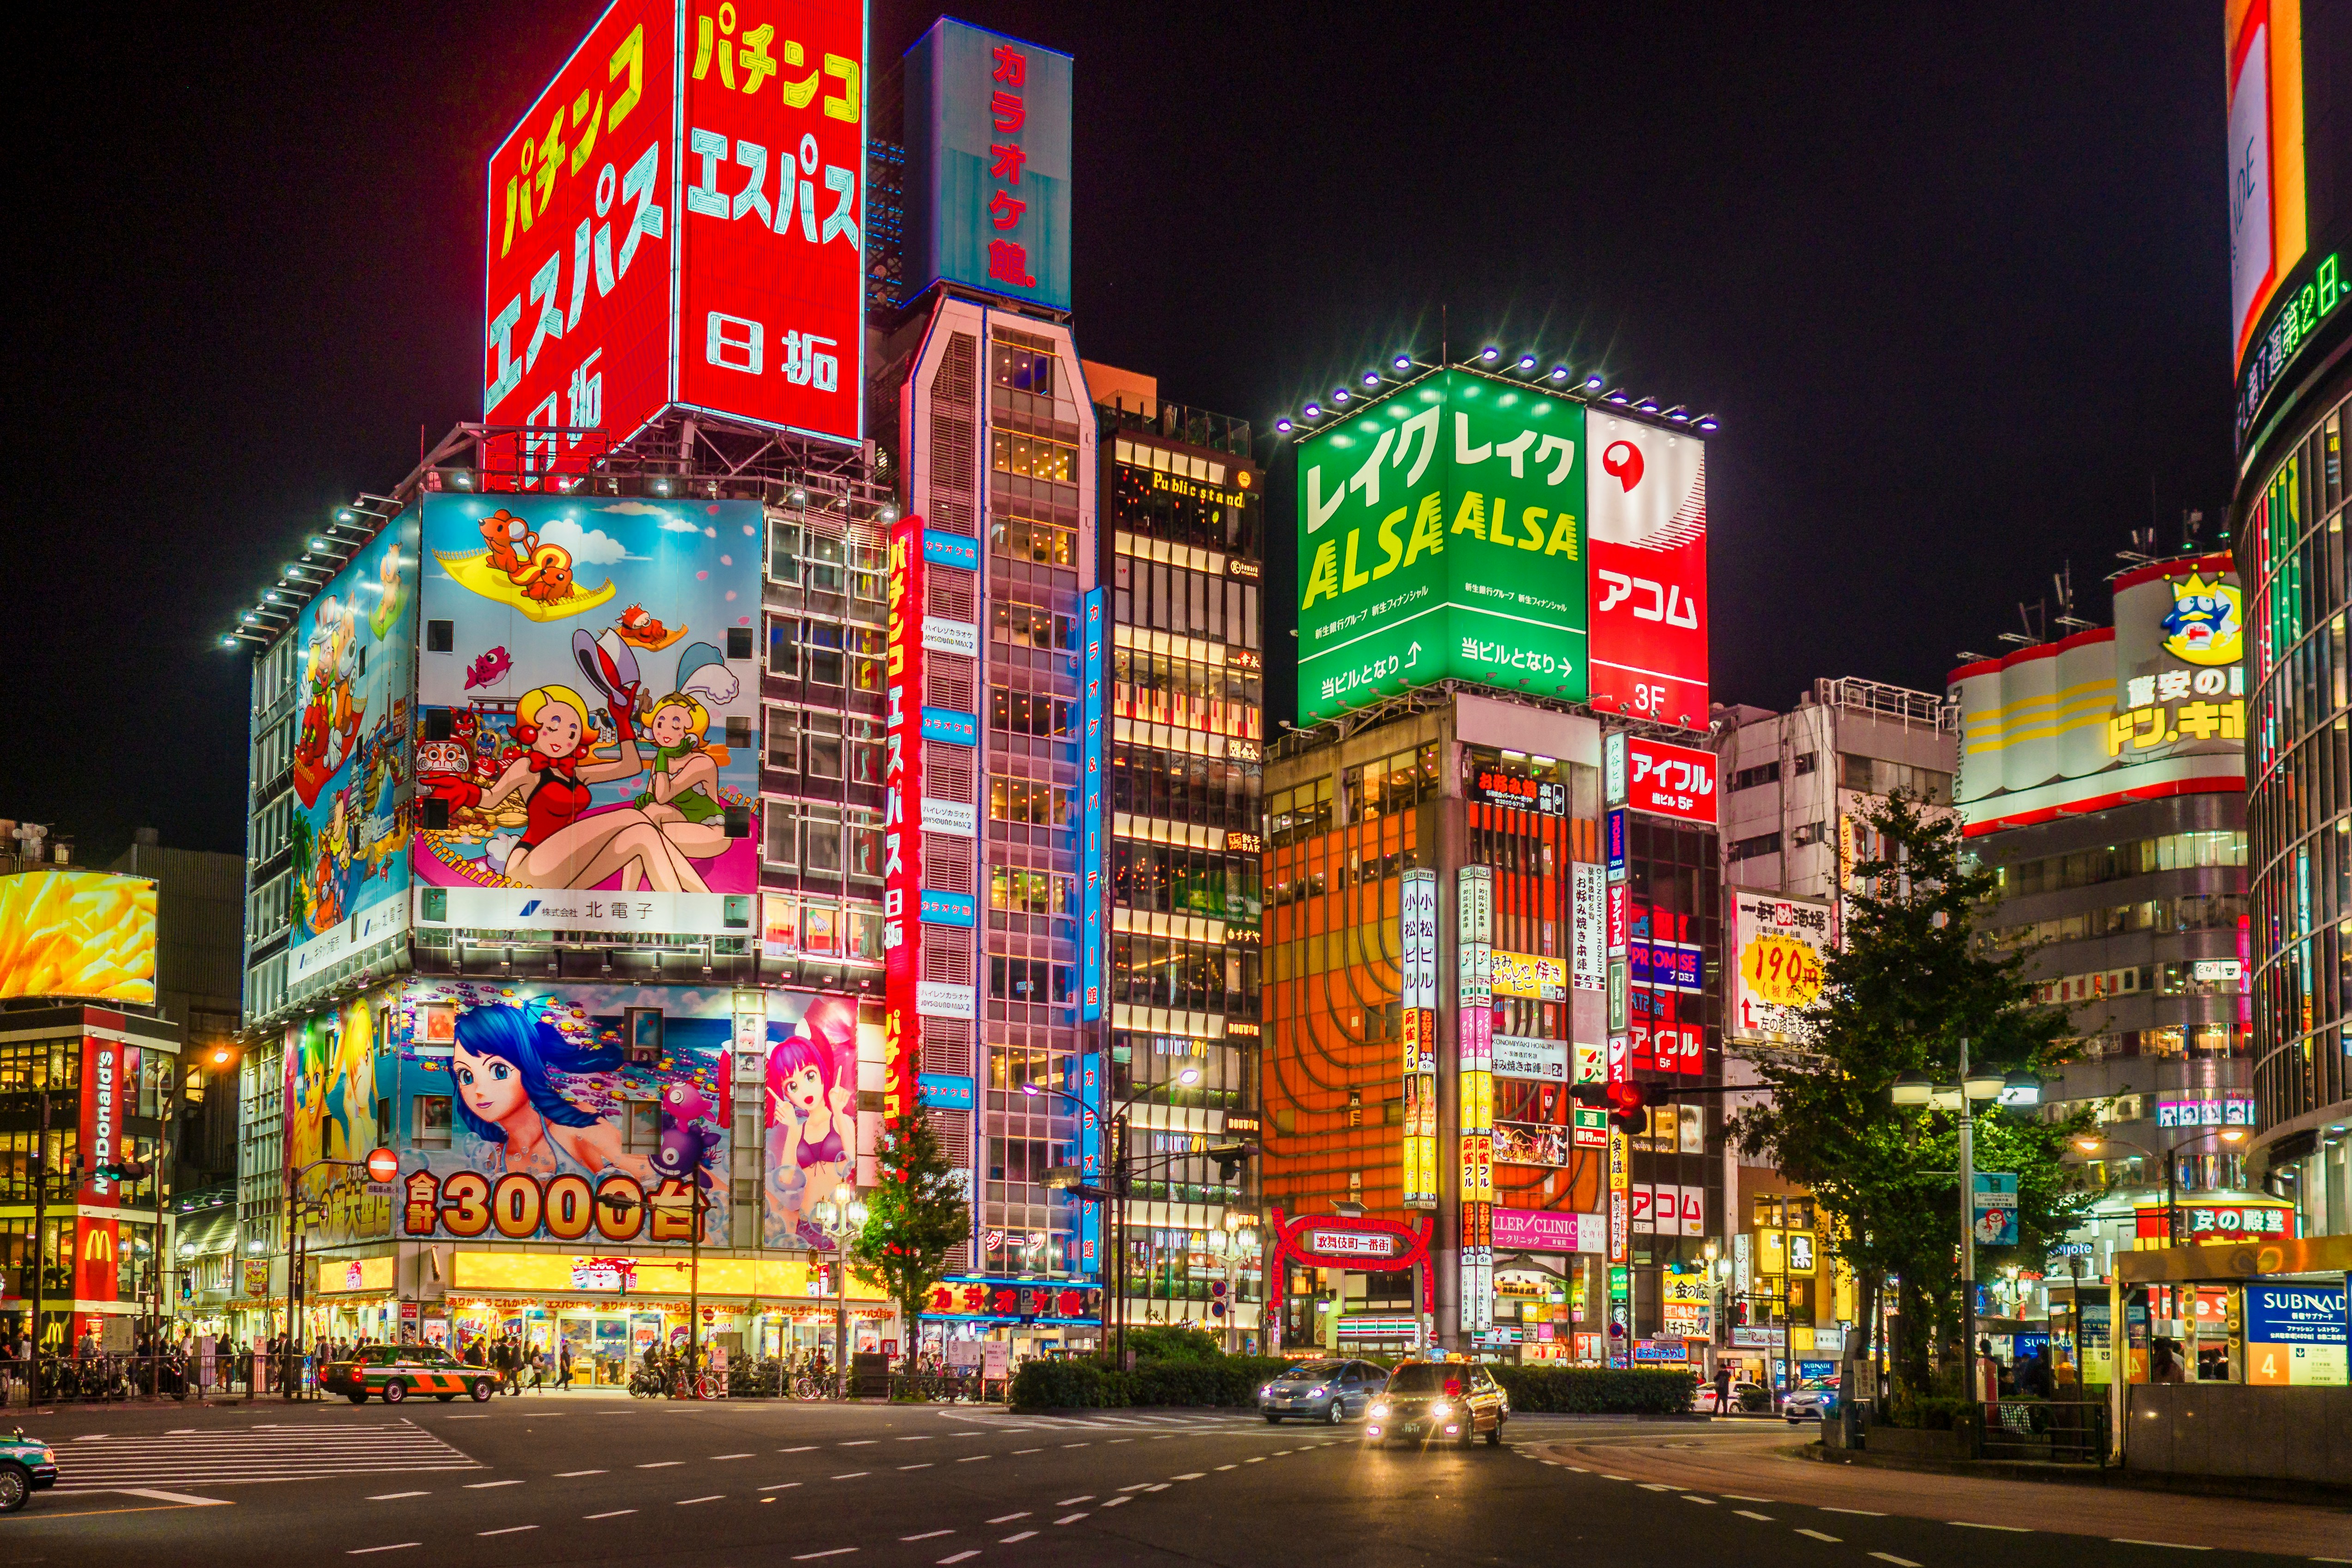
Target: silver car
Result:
[1328, 1391]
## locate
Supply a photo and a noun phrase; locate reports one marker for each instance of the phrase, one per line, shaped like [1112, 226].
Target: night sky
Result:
[1953, 278]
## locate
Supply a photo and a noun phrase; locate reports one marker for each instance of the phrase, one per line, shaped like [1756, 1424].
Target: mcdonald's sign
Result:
[95, 1257]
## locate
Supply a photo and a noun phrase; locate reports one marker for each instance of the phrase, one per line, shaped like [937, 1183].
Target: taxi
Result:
[1439, 1401]
[393, 1372]
[27, 1465]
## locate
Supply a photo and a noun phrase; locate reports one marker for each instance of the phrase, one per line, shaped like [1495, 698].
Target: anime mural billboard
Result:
[809, 1111]
[576, 692]
[354, 647]
[578, 1113]
[334, 1078]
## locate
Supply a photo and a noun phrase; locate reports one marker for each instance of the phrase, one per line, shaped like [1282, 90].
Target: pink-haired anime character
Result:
[812, 1120]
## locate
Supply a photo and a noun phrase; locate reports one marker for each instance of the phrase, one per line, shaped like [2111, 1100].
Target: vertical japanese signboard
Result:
[1782, 944]
[1090, 812]
[1647, 516]
[988, 165]
[106, 1069]
[902, 788]
[679, 218]
[1441, 535]
[1419, 998]
[1474, 1026]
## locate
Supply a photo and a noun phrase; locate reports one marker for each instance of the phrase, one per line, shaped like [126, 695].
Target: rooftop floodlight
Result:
[1527, 361]
[1339, 394]
[315, 543]
[1559, 372]
[345, 514]
[1313, 411]
[1403, 362]
[1678, 414]
[659, 485]
[1371, 378]
[1490, 354]
[459, 479]
[1707, 421]
[1593, 384]
[1647, 405]
[800, 495]
[1283, 424]
[228, 639]
[1914, 1089]
[1619, 396]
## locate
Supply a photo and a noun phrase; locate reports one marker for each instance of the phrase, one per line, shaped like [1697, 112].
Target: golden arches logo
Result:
[98, 1247]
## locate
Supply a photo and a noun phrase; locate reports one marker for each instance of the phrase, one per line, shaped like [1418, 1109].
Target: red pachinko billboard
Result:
[902, 807]
[1646, 496]
[680, 219]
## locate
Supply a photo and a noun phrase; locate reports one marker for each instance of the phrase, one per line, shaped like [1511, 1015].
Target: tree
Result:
[1913, 979]
[913, 1217]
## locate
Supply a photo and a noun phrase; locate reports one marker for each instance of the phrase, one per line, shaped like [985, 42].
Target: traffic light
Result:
[1740, 1310]
[1229, 1158]
[1628, 1103]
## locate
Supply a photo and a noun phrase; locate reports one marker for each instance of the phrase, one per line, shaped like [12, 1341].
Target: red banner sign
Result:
[1670, 780]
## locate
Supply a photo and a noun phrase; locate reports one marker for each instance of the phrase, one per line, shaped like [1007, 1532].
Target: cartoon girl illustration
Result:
[506, 1098]
[563, 844]
[682, 799]
[811, 1116]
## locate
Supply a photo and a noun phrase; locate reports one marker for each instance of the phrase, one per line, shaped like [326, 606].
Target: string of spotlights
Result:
[1404, 370]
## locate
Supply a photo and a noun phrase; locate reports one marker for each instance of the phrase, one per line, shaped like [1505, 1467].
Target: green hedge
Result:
[1230, 1381]
[1595, 1391]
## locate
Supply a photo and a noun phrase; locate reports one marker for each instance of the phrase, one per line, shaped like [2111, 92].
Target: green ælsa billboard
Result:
[1441, 535]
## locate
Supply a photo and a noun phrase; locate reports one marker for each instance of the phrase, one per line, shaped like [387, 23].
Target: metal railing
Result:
[2063, 1432]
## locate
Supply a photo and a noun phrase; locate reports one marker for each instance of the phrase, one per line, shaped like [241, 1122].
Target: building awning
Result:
[215, 1230]
[2236, 1260]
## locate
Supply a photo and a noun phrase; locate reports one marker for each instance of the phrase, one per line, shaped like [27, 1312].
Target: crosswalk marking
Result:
[268, 1454]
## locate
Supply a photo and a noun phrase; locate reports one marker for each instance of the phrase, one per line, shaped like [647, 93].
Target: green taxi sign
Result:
[1441, 535]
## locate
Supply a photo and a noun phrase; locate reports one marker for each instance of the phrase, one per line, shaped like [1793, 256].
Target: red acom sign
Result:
[748, 200]
[1670, 780]
[1647, 497]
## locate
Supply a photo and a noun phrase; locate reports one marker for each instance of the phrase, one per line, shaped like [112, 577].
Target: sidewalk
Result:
[2042, 1470]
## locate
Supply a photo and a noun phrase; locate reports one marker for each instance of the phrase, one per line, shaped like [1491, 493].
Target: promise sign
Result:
[1441, 535]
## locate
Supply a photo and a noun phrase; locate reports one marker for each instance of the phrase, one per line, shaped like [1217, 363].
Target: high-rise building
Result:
[2291, 216]
[2100, 777]
[1184, 530]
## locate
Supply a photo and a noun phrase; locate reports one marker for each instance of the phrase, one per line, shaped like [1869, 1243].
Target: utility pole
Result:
[1968, 1233]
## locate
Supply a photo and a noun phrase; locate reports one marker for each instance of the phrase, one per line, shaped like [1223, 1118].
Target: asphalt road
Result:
[590, 1480]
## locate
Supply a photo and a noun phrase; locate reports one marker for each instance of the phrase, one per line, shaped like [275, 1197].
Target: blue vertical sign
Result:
[1090, 810]
[1091, 1163]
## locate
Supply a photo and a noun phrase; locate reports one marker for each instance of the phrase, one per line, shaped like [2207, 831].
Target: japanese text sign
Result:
[1647, 515]
[1670, 780]
[1441, 535]
[988, 165]
[680, 219]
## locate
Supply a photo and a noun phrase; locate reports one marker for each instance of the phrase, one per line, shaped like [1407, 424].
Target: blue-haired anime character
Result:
[506, 1098]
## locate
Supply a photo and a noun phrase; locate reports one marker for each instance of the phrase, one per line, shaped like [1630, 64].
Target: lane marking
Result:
[1078, 1445]
[1028, 1451]
[853, 1475]
[1189, 1475]
[714, 1496]
[1008, 1518]
[1693, 1497]
[361, 1551]
[1972, 1524]
[779, 1486]
[2175, 1545]
[924, 1439]
[614, 1514]
[1157, 1487]
[567, 1474]
[1655, 1487]
[858, 1443]
[660, 1464]
[1113, 1442]
[927, 1535]
[485, 1486]
[1898, 1562]
[1864, 1512]
[1011, 1539]
[510, 1530]
[921, 1467]
[1071, 1518]
[813, 1556]
[1817, 1535]
[388, 1497]
[1118, 1501]
[1260, 1459]
[731, 1455]
[1074, 1502]
[1751, 1513]
[1741, 1496]
[1610, 1477]
[957, 1558]
[968, 1458]
[1220, 1467]
[804, 1448]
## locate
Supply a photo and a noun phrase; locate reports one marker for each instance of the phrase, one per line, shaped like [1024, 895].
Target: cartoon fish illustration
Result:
[489, 668]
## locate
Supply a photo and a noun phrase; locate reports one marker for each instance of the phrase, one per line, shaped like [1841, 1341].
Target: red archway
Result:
[1339, 1241]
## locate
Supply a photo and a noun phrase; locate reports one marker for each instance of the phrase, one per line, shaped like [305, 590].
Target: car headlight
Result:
[1318, 1390]
[1380, 1413]
[1441, 1411]
[1266, 1392]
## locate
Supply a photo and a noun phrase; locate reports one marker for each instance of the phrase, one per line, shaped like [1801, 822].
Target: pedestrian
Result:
[564, 1365]
[1722, 1388]
[2163, 1363]
[511, 1368]
[538, 1370]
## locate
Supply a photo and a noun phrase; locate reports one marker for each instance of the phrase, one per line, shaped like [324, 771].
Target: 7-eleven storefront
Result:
[611, 1309]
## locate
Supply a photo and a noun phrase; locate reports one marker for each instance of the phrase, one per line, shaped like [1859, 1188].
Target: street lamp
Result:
[841, 1216]
[1916, 1088]
[1240, 1237]
[2091, 1145]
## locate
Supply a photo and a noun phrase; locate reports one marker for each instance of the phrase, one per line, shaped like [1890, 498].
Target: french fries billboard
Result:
[87, 934]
